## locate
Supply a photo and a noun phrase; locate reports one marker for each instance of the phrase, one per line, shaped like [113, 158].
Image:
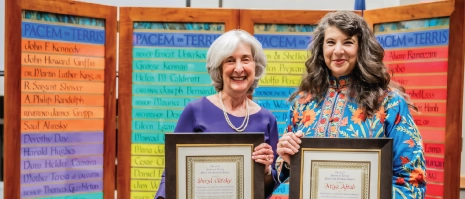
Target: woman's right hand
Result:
[288, 145]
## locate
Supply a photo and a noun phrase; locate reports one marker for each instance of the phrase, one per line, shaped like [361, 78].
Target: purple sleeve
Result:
[185, 124]
[161, 188]
[272, 138]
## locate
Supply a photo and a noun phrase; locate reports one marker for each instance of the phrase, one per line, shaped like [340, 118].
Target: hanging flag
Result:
[359, 5]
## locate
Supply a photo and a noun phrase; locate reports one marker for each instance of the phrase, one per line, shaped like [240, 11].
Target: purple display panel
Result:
[64, 175]
[46, 151]
[61, 163]
[56, 138]
[60, 189]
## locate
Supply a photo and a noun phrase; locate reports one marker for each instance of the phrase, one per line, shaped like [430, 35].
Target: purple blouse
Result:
[202, 115]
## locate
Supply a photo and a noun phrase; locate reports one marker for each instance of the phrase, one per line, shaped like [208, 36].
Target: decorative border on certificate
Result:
[335, 171]
[214, 172]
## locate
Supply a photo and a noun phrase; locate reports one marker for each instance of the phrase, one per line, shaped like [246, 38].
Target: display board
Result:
[60, 74]
[417, 50]
[285, 40]
[419, 63]
[60, 87]
[286, 51]
[162, 56]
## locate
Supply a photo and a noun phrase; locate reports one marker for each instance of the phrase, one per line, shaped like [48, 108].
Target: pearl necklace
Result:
[246, 119]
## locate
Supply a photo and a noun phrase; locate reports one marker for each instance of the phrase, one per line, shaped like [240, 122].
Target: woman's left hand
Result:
[263, 153]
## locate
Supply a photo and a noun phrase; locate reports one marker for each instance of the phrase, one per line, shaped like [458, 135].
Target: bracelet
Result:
[286, 165]
[269, 171]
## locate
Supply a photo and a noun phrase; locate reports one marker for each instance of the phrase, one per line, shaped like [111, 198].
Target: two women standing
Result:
[347, 93]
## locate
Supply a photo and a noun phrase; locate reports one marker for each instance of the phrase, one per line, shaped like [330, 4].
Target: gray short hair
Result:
[224, 46]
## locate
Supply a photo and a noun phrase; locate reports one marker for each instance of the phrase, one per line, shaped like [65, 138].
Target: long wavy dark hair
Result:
[370, 77]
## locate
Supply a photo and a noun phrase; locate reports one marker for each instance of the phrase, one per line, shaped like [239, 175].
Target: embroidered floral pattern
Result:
[381, 114]
[358, 116]
[339, 116]
[400, 181]
[338, 112]
[417, 176]
[304, 98]
[295, 117]
[308, 117]
[333, 109]
[327, 110]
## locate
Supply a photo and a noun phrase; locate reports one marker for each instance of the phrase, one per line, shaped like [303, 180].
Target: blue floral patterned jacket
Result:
[340, 116]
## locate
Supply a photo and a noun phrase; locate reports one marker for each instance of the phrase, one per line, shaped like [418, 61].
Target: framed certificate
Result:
[342, 168]
[213, 165]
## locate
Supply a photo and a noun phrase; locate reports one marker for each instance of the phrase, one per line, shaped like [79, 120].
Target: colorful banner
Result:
[401, 67]
[34, 72]
[432, 134]
[286, 51]
[46, 86]
[62, 61]
[62, 108]
[427, 93]
[417, 53]
[62, 99]
[57, 47]
[169, 71]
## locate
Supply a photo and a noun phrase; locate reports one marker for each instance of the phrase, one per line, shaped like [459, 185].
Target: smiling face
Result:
[239, 70]
[340, 51]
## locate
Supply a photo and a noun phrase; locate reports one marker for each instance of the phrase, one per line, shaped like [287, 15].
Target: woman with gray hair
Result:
[347, 93]
[235, 62]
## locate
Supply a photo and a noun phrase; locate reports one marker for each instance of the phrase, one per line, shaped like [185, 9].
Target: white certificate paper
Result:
[215, 177]
[341, 180]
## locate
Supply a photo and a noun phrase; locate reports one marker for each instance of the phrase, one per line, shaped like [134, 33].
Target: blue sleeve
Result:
[409, 168]
[186, 123]
[271, 138]
[283, 172]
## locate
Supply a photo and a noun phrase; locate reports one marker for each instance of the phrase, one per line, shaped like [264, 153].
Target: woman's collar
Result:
[342, 81]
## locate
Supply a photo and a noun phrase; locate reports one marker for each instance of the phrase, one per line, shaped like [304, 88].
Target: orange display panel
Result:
[417, 53]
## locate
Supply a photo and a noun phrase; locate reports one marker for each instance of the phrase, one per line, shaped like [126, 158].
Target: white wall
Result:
[376, 4]
[291, 4]
[205, 3]
[408, 2]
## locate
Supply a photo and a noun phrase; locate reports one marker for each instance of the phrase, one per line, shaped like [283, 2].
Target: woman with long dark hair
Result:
[347, 92]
